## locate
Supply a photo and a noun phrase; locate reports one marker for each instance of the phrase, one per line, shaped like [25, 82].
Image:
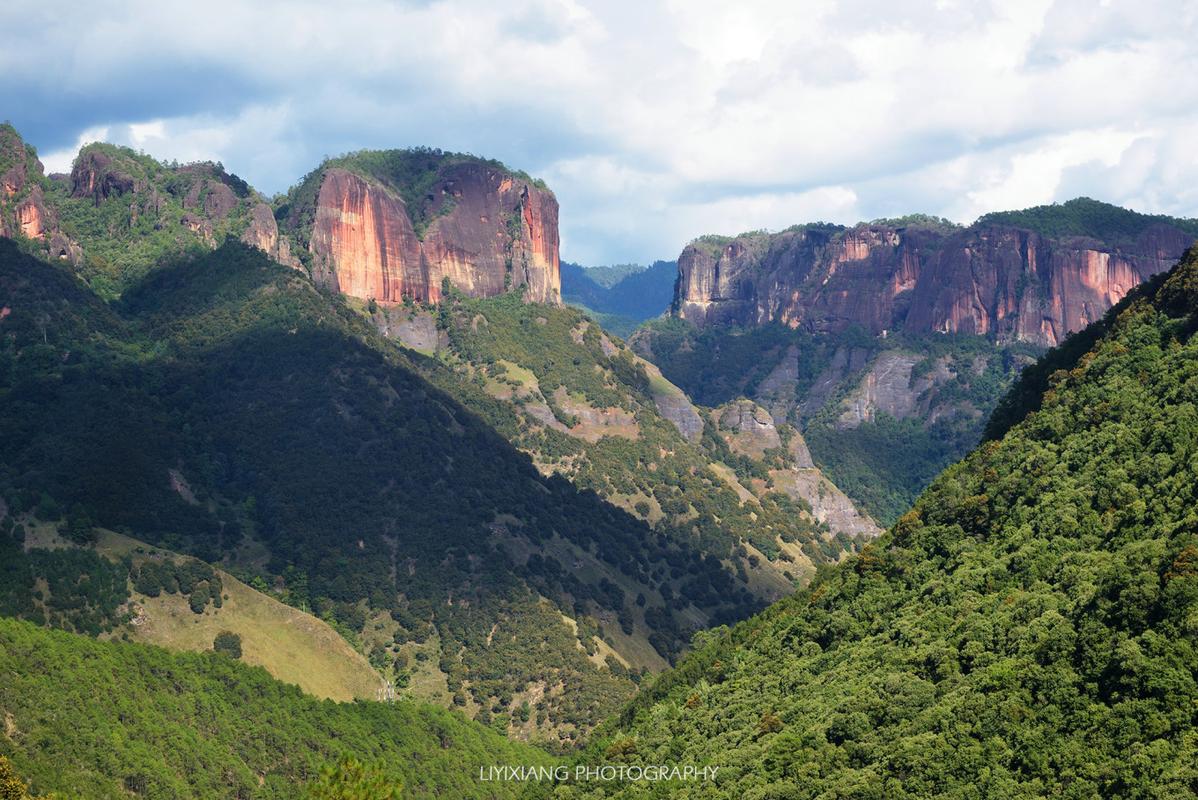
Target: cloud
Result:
[653, 120]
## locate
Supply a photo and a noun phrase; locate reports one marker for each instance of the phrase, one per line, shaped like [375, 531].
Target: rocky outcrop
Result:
[1017, 285]
[200, 200]
[886, 388]
[32, 217]
[749, 431]
[213, 197]
[413, 327]
[98, 176]
[993, 279]
[828, 504]
[821, 276]
[672, 403]
[363, 243]
[263, 233]
[24, 210]
[483, 229]
[747, 428]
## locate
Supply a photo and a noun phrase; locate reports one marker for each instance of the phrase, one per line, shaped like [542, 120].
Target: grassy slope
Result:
[1027, 630]
[291, 645]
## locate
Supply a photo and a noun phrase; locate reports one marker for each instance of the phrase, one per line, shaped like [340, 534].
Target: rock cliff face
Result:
[486, 230]
[749, 430]
[1018, 285]
[97, 175]
[997, 279]
[23, 207]
[263, 233]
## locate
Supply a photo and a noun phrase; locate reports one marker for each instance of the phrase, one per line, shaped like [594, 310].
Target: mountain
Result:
[396, 224]
[608, 276]
[91, 719]
[587, 408]
[888, 344]
[1031, 276]
[383, 225]
[623, 296]
[171, 383]
[1027, 629]
[321, 461]
[119, 213]
[227, 409]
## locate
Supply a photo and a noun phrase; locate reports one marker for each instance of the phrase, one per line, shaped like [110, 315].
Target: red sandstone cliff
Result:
[484, 229]
[991, 279]
[363, 242]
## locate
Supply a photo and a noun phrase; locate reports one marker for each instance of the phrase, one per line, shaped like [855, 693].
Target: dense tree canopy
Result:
[105, 720]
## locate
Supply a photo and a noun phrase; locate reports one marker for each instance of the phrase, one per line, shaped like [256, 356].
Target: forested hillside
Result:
[90, 719]
[586, 407]
[1028, 629]
[227, 409]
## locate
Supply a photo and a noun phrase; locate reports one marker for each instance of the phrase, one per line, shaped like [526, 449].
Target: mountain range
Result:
[369, 408]
[197, 373]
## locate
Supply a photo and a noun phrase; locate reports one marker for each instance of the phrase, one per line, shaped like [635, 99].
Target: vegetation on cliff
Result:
[130, 212]
[1083, 216]
[411, 173]
[586, 410]
[810, 380]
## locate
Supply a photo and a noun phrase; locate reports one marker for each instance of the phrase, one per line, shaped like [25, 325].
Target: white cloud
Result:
[654, 120]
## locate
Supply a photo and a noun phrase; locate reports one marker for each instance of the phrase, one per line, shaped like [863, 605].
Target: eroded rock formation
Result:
[483, 229]
[999, 280]
[23, 207]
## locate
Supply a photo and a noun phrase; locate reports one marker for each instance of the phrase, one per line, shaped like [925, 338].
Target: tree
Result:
[199, 597]
[11, 785]
[228, 643]
[352, 780]
[79, 528]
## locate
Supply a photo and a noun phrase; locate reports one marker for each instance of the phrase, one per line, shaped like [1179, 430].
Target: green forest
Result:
[95, 719]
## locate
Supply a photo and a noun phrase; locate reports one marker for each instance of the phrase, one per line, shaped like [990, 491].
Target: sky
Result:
[654, 121]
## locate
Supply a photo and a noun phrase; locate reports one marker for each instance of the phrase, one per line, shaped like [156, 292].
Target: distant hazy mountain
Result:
[622, 296]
